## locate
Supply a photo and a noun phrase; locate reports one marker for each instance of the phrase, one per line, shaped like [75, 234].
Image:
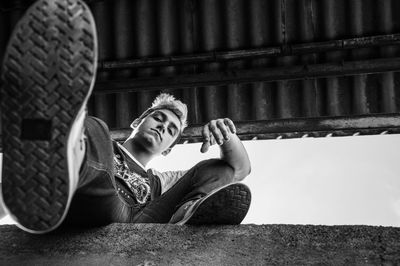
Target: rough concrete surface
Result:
[162, 244]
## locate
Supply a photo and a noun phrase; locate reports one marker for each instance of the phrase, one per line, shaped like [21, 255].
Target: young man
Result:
[61, 166]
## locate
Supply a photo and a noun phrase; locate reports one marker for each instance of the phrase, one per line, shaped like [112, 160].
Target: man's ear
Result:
[165, 153]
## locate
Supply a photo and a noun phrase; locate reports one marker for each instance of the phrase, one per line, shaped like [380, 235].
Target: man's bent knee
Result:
[216, 168]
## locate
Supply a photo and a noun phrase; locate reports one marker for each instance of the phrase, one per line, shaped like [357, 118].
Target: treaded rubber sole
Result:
[229, 205]
[48, 73]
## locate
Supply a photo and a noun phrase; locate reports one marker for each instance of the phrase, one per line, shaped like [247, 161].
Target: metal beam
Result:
[298, 127]
[304, 71]
[284, 50]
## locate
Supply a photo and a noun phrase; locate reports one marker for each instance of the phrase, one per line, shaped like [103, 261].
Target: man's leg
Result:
[202, 179]
[48, 74]
[96, 201]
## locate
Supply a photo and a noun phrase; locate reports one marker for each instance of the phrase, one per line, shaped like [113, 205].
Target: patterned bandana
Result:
[139, 185]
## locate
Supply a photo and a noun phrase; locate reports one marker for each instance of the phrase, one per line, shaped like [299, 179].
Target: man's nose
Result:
[162, 127]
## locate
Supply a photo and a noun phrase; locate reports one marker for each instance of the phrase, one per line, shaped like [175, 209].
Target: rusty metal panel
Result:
[103, 106]
[251, 60]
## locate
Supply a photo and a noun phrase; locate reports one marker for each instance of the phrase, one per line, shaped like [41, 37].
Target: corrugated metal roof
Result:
[251, 60]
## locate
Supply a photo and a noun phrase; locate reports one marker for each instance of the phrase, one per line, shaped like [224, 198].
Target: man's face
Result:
[158, 131]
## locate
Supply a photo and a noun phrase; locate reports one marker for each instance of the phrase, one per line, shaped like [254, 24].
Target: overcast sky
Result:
[331, 181]
[337, 180]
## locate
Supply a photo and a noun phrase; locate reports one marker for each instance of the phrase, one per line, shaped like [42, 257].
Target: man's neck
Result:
[140, 154]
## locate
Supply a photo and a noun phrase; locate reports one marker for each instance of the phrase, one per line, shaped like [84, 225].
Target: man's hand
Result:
[217, 131]
[232, 151]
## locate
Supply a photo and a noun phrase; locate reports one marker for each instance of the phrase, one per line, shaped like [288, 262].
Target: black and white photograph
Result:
[199, 132]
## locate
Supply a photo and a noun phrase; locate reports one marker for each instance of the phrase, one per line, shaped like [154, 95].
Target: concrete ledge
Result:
[161, 244]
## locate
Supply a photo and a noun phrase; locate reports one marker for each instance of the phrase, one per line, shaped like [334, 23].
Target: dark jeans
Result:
[97, 201]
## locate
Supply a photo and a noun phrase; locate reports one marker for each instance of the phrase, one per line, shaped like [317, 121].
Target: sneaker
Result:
[184, 212]
[47, 76]
[226, 205]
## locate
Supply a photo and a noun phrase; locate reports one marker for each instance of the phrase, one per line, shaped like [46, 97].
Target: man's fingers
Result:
[216, 132]
[212, 140]
[207, 144]
[206, 133]
[224, 130]
[206, 139]
[204, 147]
[231, 125]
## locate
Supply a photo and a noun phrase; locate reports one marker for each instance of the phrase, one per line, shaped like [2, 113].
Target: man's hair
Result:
[166, 101]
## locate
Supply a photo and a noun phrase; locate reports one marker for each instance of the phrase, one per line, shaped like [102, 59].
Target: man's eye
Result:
[157, 118]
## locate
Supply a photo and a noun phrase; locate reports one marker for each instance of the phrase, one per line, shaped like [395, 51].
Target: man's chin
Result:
[148, 140]
[153, 137]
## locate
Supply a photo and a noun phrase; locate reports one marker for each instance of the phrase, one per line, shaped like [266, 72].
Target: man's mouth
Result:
[158, 133]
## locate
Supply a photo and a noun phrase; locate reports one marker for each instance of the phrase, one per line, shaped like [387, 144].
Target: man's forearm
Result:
[235, 154]
[223, 132]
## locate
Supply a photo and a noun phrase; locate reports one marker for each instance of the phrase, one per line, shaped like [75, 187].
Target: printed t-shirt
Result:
[143, 184]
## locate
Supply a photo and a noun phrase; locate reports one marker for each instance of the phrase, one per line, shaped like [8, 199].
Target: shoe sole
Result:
[228, 205]
[48, 74]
